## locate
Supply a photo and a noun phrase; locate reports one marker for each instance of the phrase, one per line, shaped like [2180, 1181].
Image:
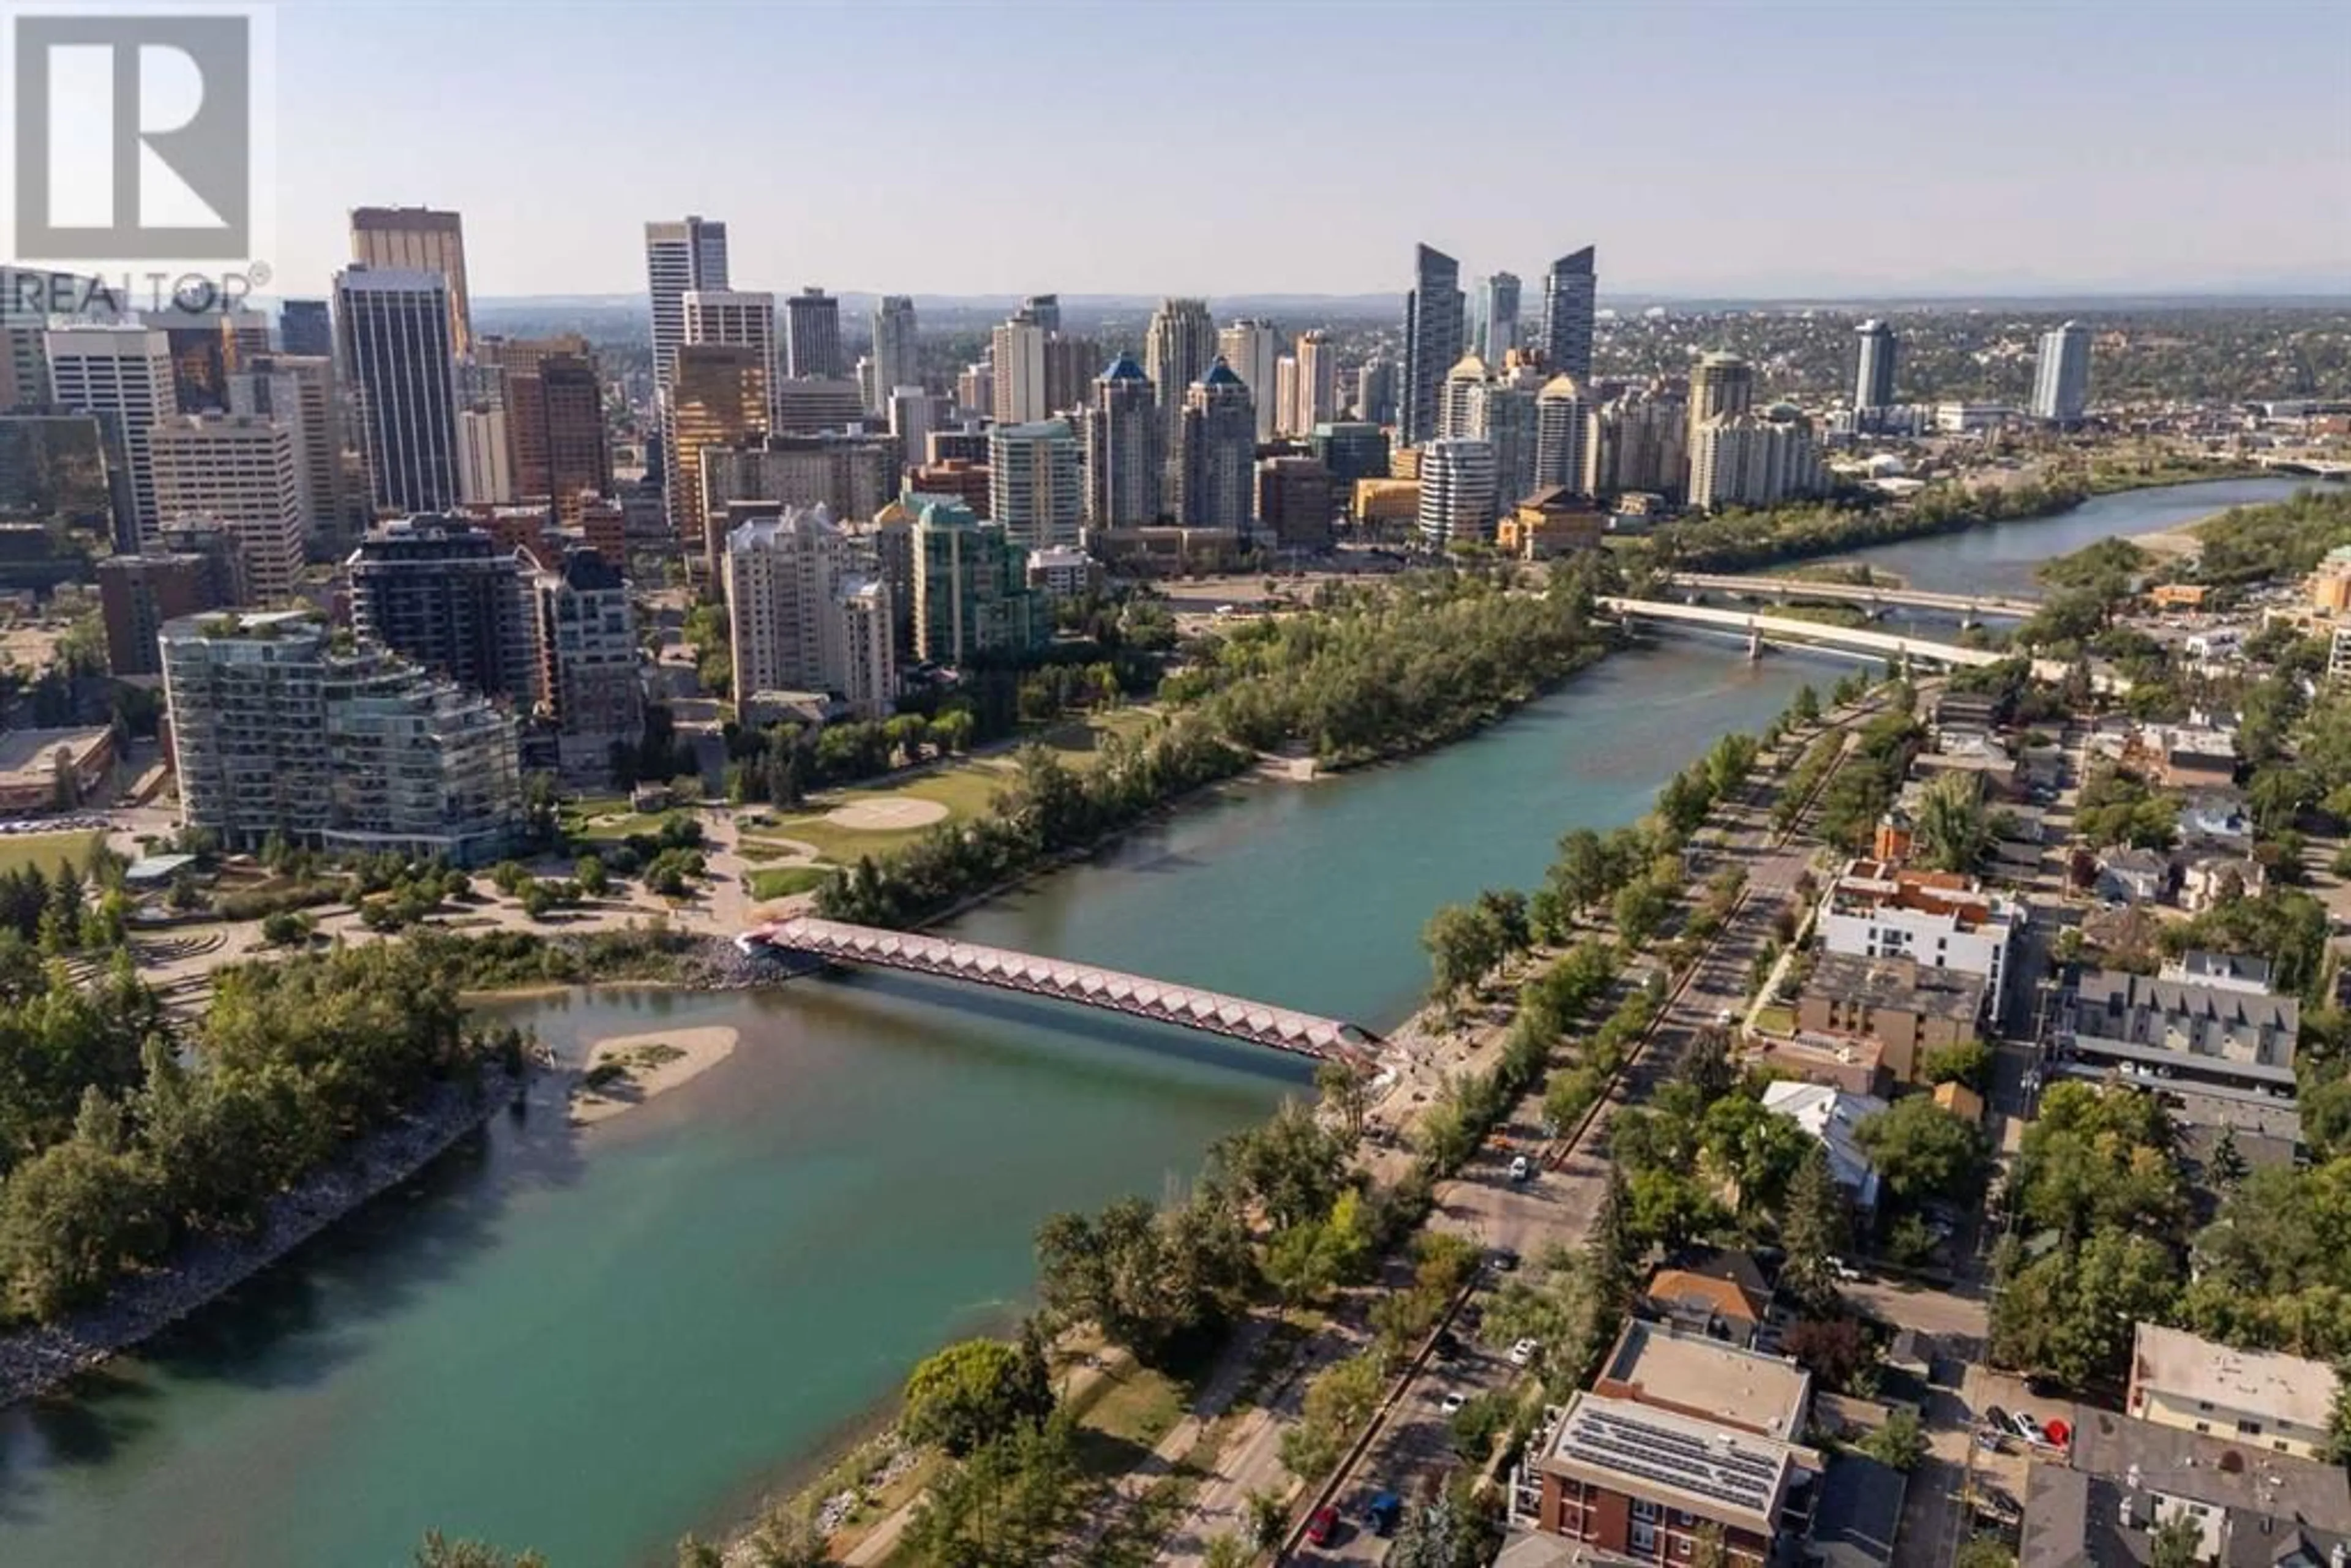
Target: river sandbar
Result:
[651, 1070]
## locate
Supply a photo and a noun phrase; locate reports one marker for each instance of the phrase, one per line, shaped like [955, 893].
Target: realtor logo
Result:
[134, 137]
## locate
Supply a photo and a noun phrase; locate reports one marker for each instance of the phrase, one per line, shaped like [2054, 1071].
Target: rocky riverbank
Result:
[34, 1361]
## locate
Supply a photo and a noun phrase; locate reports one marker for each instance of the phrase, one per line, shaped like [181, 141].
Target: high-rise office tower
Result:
[1873, 370]
[1178, 347]
[849, 476]
[123, 376]
[1375, 393]
[484, 457]
[446, 595]
[1569, 293]
[393, 328]
[689, 254]
[1045, 309]
[1454, 397]
[717, 397]
[555, 419]
[1036, 483]
[812, 335]
[298, 391]
[805, 615]
[1296, 502]
[1562, 436]
[1285, 395]
[1125, 470]
[2061, 374]
[1316, 401]
[895, 361]
[736, 320]
[1017, 355]
[276, 733]
[971, 587]
[199, 360]
[1457, 492]
[241, 472]
[1219, 451]
[418, 239]
[305, 327]
[1497, 318]
[1432, 340]
[1252, 349]
[245, 337]
[914, 413]
[1351, 449]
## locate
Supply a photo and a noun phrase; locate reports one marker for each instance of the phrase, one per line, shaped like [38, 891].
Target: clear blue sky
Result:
[1231, 146]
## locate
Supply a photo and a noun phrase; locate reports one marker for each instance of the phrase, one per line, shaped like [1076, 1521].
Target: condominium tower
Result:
[805, 613]
[1497, 318]
[2061, 375]
[1872, 368]
[1253, 350]
[447, 596]
[1569, 293]
[1219, 453]
[242, 472]
[812, 335]
[1178, 347]
[123, 376]
[1036, 483]
[1124, 466]
[1432, 341]
[895, 361]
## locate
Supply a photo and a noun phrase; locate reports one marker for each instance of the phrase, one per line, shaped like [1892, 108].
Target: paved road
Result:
[1555, 1210]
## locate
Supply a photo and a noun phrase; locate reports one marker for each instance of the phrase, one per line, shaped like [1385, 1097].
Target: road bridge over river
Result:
[1003, 969]
[1969, 607]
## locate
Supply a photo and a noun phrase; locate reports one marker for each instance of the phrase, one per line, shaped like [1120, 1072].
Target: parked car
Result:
[1452, 1402]
[1502, 1259]
[1447, 1345]
[1524, 1352]
[1386, 1508]
[2026, 1428]
[1324, 1528]
[1996, 1418]
[1521, 1168]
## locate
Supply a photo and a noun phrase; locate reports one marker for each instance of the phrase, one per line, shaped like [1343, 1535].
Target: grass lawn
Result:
[611, 829]
[1123, 1417]
[1080, 742]
[1776, 1019]
[783, 882]
[48, 851]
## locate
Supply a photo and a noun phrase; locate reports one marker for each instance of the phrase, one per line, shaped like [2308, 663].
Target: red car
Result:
[1324, 1528]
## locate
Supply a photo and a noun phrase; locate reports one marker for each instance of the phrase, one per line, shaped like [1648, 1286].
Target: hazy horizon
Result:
[1235, 150]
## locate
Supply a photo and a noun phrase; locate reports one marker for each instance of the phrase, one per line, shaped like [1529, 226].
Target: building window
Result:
[1644, 1537]
[1644, 1509]
[2249, 1428]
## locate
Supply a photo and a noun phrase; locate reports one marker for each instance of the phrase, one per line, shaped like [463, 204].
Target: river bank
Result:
[626, 1071]
[34, 1361]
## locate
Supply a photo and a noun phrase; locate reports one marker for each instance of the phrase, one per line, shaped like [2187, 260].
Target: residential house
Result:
[2133, 877]
[2193, 756]
[2211, 877]
[2219, 1040]
[1719, 1292]
[2216, 818]
[1859, 1515]
[1830, 1116]
[2252, 1507]
[1906, 1010]
[2260, 1399]
[1678, 1437]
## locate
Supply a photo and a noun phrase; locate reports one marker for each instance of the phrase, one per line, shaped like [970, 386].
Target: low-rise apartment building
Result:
[1679, 1438]
[1907, 1010]
[2258, 1397]
[1939, 920]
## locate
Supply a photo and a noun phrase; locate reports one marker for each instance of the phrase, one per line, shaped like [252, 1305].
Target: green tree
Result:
[593, 878]
[693, 1551]
[2338, 1416]
[1611, 1254]
[1968, 1061]
[1806, 707]
[2177, 1542]
[1899, 1444]
[439, 1551]
[1584, 872]
[1952, 827]
[1346, 1089]
[1921, 1150]
[1005, 1506]
[1463, 944]
[972, 1392]
[1291, 1166]
[1813, 1230]
[1229, 1551]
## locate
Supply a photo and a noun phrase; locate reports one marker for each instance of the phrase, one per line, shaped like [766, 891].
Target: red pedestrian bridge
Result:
[1137, 996]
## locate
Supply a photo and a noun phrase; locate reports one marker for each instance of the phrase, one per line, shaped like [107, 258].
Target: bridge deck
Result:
[1138, 996]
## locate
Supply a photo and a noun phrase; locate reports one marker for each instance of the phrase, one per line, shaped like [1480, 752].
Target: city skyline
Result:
[2183, 112]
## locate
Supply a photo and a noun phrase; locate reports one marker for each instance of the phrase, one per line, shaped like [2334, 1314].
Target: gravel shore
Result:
[34, 1361]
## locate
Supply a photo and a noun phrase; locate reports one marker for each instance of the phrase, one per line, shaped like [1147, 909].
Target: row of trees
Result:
[1742, 540]
[115, 1151]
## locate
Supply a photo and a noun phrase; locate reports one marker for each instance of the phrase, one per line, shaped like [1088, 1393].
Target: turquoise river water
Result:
[593, 1340]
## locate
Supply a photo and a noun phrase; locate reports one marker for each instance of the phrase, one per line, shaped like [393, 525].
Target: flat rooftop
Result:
[1680, 1461]
[1900, 983]
[29, 756]
[2267, 1383]
[1702, 1377]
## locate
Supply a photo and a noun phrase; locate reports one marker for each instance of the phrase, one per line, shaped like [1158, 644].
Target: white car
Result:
[1452, 1402]
[1524, 1352]
[1521, 1168]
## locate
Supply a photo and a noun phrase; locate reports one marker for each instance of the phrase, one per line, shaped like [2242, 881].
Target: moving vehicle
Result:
[1324, 1528]
[1524, 1351]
